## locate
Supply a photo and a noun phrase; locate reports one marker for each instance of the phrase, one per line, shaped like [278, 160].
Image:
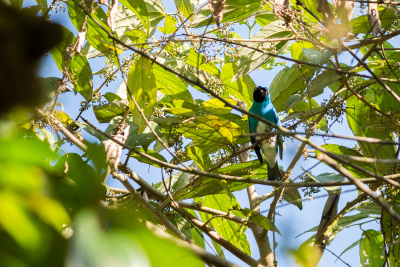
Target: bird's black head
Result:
[260, 94]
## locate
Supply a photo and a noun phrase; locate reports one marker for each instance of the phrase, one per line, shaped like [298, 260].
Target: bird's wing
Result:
[257, 149]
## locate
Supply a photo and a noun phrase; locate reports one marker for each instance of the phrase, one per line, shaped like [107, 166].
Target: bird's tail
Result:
[274, 173]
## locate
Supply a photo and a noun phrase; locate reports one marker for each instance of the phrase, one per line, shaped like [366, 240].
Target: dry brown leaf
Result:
[325, 9]
[113, 149]
[373, 18]
[112, 15]
[81, 40]
[217, 8]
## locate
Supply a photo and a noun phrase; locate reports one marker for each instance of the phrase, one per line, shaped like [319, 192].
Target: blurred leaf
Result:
[308, 255]
[196, 237]
[210, 130]
[316, 56]
[142, 84]
[14, 217]
[260, 220]
[286, 83]
[242, 88]
[372, 248]
[251, 59]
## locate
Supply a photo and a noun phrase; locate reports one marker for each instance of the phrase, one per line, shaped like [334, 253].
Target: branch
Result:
[380, 201]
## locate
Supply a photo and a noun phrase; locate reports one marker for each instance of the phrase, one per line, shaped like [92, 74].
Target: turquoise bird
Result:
[263, 107]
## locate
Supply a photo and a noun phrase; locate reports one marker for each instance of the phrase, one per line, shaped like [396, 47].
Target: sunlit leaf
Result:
[372, 248]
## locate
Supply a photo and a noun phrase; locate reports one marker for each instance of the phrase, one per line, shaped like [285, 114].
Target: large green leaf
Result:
[170, 85]
[229, 230]
[105, 113]
[81, 77]
[391, 229]
[217, 107]
[286, 83]
[251, 59]
[327, 177]
[95, 35]
[139, 9]
[146, 160]
[142, 85]
[242, 88]
[185, 6]
[338, 149]
[235, 10]
[211, 130]
[199, 157]
[361, 25]
[372, 248]
[318, 84]
[357, 118]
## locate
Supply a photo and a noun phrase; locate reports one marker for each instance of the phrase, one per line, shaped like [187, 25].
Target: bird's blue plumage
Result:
[263, 107]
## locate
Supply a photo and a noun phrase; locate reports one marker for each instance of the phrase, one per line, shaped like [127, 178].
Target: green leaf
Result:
[170, 85]
[361, 24]
[251, 59]
[235, 10]
[185, 6]
[210, 130]
[318, 84]
[198, 61]
[356, 118]
[169, 25]
[242, 88]
[391, 228]
[199, 157]
[292, 195]
[286, 83]
[196, 237]
[104, 113]
[77, 16]
[327, 177]
[372, 248]
[229, 230]
[136, 36]
[150, 153]
[348, 248]
[316, 56]
[139, 8]
[82, 77]
[265, 18]
[142, 85]
[259, 219]
[58, 52]
[217, 107]
[296, 50]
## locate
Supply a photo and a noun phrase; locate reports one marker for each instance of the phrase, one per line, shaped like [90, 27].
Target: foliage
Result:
[55, 207]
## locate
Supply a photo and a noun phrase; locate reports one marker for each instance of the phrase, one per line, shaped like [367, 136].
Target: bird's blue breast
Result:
[264, 109]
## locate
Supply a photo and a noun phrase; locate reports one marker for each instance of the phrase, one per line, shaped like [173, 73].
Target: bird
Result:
[263, 107]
